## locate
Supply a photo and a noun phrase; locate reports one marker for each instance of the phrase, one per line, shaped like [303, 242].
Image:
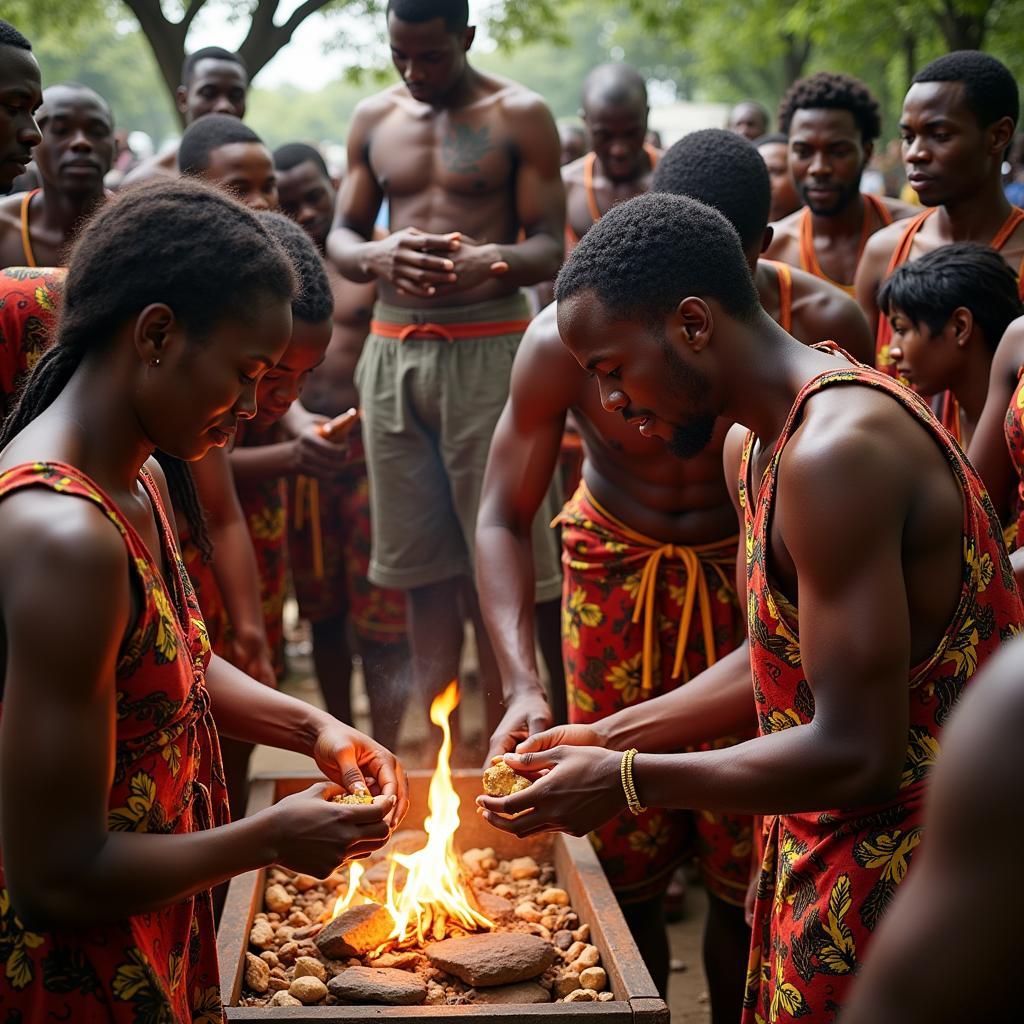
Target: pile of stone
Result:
[538, 953]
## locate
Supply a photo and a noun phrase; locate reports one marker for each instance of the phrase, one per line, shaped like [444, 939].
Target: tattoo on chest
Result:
[464, 148]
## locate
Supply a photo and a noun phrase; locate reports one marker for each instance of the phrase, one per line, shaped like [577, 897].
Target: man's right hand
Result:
[527, 714]
[314, 835]
[414, 261]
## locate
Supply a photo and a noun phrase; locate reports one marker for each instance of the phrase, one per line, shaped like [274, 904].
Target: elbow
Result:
[874, 778]
[41, 908]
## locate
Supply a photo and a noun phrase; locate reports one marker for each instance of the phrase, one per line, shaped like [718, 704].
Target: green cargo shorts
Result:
[430, 404]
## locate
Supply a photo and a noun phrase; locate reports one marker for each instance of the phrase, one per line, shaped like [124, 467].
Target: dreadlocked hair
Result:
[140, 249]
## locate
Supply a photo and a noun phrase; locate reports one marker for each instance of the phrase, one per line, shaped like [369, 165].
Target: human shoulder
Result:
[572, 173]
[898, 209]
[524, 113]
[545, 372]
[377, 106]
[785, 229]
[823, 312]
[881, 245]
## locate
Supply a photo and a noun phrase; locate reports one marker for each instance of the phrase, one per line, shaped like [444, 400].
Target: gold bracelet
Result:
[628, 785]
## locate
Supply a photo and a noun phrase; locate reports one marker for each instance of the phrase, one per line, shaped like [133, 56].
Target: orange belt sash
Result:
[448, 332]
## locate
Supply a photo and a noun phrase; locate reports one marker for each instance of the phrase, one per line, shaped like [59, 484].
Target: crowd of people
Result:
[731, 447]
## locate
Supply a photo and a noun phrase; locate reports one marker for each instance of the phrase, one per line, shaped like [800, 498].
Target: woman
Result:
[112, 806]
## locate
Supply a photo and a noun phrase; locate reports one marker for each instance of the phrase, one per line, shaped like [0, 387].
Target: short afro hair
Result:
[454, 13]
[188, 66]
[828, 91]
[10, 36]
[990, 91]
[291, 154]
[644, 256]
[929, 289]
[205, 135]
[725, 171]
[313, 302]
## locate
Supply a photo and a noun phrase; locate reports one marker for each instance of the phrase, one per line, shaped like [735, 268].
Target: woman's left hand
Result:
[350, 758]
[576, 790]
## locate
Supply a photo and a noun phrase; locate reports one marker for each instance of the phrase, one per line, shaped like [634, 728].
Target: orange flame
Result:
[349, 898]
[435, 891]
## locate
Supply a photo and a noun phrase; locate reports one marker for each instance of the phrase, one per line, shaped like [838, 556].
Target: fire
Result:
[353, 897]
[435, 891]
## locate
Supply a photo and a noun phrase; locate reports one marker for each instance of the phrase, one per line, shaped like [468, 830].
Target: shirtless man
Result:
[20, 95]
[958, 119]
[748, 119]
[832, 122]
[75, 153]
[213, 81]
[467, 161]
[222, 150]
[636, 501]
[620, 163]
[333, 589]
[774, 150]
[573, 138]
[848, 699]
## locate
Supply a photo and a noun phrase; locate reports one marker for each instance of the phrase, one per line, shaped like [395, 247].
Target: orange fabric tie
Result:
[448, 332]
[307, 500]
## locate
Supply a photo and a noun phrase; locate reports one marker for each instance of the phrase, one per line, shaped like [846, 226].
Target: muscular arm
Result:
[870, 273]
[849, 486]
[524, 452]
[234, 561]
[957, 912]
[988, 452]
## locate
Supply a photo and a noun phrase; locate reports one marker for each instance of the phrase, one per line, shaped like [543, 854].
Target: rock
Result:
[308, 990]
[539, 929]
[582, 934]
[594, 978]
[549, 921]
[397, 959]
[278, 984]
[493, 959]
[307, 966]
[504, 890]
[278, 899]
[270, 957]
[303, 883]
[257, 973]
[354, 932]
[379, 985]
[500, 780]
[284, 932]
[308, 932]
[361, 797]
[523, 867]
[590, 957]
[519, 992]
[605, 997]
[566, 984]
[574, 951]
[528, 912]
[562, 940]
[494, 907]
[262, 935]
[288, 952]
[298, 920]
[435, 994]
[559, 897]
[283, 999]
[580, 995]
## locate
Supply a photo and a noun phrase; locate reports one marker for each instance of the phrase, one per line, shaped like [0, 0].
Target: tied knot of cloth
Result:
[425, 329]
[696, 594]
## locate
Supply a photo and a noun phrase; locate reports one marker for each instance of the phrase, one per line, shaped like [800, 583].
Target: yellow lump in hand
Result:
[362, 797]
[500, 780]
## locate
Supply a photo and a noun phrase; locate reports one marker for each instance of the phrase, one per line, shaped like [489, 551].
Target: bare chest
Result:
[471, 155]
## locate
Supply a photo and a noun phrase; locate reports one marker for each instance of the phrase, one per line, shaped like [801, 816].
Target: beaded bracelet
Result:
[628, 785]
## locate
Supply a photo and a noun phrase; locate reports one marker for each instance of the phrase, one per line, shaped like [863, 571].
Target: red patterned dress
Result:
[827, 877]
[158, 967]
[1013, 428]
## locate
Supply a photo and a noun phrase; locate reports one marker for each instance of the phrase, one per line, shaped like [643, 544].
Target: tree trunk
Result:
[794, 58]
[910, 56]
[963, 30]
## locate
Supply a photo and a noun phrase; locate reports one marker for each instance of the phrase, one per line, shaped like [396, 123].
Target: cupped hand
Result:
[527, 714]
[315, 455]
[563, 736]
[314, 835]
[577, 789]
[351, 758]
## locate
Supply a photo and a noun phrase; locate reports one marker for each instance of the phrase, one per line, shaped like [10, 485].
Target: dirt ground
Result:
[418, 748]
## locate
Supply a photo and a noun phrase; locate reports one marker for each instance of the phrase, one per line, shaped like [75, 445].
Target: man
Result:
[75, 153]
[329, 533]
[213, 81]
[958, 120]
[620, 163]
[222, 150]
[469, 164]
[774, 150]
[849, 700]
[748, 119]
[573, 138]
[638, 516]
[832, 122]
[957, 914]
[21, 89]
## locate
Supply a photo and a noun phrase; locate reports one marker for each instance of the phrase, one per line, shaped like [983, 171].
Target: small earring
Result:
[154, 362]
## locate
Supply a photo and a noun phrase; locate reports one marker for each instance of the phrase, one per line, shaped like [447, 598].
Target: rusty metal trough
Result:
[578, 872]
